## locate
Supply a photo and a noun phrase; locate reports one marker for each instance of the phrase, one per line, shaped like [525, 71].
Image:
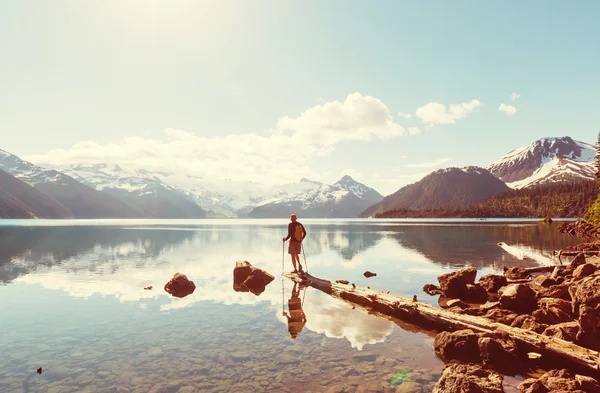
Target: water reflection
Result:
[296, 319]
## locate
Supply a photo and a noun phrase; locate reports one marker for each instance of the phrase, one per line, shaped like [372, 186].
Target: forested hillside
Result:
[555, 200]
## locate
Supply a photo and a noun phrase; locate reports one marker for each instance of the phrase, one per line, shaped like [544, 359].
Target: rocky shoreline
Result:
[564, 304]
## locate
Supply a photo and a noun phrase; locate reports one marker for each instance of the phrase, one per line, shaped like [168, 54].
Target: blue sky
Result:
[254, 84]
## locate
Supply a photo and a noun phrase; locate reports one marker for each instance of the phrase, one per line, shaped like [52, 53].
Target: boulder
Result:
[180, 286]
[556, 291]
[461, 345]
[475, 294]
[585, 293]
[589, 332]
[454, 284]
[500, 315]
[582, 271]
[587, 384]
[519, 298]
[500, 352]
[516, 273]
[553, 311]
[578, 260]
[544, 281]
[492, 282]
[559, 380]
[532, 385]
[528, 322]
[565, 331]
[432, 290]
[247, 278]
[468, 378]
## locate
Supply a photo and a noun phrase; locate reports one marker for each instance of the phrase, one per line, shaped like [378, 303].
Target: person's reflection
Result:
[296, 318]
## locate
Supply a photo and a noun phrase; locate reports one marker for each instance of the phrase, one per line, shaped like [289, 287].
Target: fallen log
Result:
[433, 318]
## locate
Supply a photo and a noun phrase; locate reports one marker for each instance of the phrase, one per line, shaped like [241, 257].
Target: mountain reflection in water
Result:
[72, 301]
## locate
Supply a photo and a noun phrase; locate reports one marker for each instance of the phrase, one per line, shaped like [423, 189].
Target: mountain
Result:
[139, 190]
[444, 188]
[547, 160]
[20, 200]
[344, 199]
[81, 200]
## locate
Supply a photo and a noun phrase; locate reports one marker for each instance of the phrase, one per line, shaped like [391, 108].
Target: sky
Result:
[275, 90]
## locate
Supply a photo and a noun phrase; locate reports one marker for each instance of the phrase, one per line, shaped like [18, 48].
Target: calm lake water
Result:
[72, 301]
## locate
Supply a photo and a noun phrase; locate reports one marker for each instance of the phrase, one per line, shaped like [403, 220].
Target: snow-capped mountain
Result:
[140, 189]
[547, 160]
[80, 200]
[346, 198]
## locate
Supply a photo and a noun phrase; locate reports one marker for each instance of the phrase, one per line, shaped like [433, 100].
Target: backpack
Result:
[298, 233]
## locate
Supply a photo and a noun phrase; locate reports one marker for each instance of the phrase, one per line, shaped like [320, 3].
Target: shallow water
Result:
[72, 301]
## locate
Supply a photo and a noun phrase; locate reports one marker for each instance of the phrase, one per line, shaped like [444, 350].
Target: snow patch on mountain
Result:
[547, 160]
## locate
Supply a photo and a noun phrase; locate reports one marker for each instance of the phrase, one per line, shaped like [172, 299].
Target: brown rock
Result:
[528, 322]
[475, 294]
[492, 282]
[589, 322]
[456, 303]
[563, 305]
[544, 281]
[587, 384]
[180, 286]
[257, 281]
[585, 292]
[578, 260]
[516, 273]
[559, 380]
[519, 298]
[460, 345]
[556, 291]
[587, 269]
[500, 353]
[369, 274]
[468, 378]
[566, 331]
[553, 311]
[240, 274]
[454, 284]
[432, 290]
[503, 316]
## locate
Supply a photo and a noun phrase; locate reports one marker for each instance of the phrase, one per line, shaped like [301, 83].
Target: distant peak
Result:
[346, 178]
[305, 180]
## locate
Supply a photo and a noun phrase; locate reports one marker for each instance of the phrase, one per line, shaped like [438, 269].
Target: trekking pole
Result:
[304, 254]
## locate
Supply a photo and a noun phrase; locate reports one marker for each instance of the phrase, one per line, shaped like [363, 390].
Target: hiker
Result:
[296, 318]
[296, 233]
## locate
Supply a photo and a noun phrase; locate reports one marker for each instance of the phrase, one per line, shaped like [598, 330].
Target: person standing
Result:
[296, 233]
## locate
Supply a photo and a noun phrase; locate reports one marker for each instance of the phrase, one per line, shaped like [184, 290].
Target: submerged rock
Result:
[369, 274]
[180, 286]
[247, 278]
[468, 378]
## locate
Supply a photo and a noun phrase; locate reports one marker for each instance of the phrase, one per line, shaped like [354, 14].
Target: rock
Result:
[519, 298]
[587, 384]
[342, 282]
[587, 269]
[547, 220]
[532, 385]
[528, 322]
[456, 303]
[180, 286]
[247, 278]
[257, 281]
[566, 331]
[148, 288]
[432, 290]
[516, 273]
[454, 284]
[503, 316]
[578, 260]
[460, 345]
[475, 294]
[492, 282]
[559, 380]
[544, 281]
[468, 378]
[556, 291]
[407, 387]
[589, 323]
[501, 353]
[240, 356]
[369, 274]
[553, 311]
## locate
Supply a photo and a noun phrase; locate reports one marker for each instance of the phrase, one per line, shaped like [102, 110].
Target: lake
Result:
[72, 301]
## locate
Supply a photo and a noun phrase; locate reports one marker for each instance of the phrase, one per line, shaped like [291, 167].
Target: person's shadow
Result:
[296, 318]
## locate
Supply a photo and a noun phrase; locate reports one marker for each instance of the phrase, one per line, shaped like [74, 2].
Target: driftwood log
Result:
[431, 318]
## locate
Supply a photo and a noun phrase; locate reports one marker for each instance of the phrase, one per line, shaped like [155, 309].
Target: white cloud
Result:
[357, 118]
[404, 115]
[508, 109]
[430, 164]
[515, 96]
[243, 157]
[436, 113]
